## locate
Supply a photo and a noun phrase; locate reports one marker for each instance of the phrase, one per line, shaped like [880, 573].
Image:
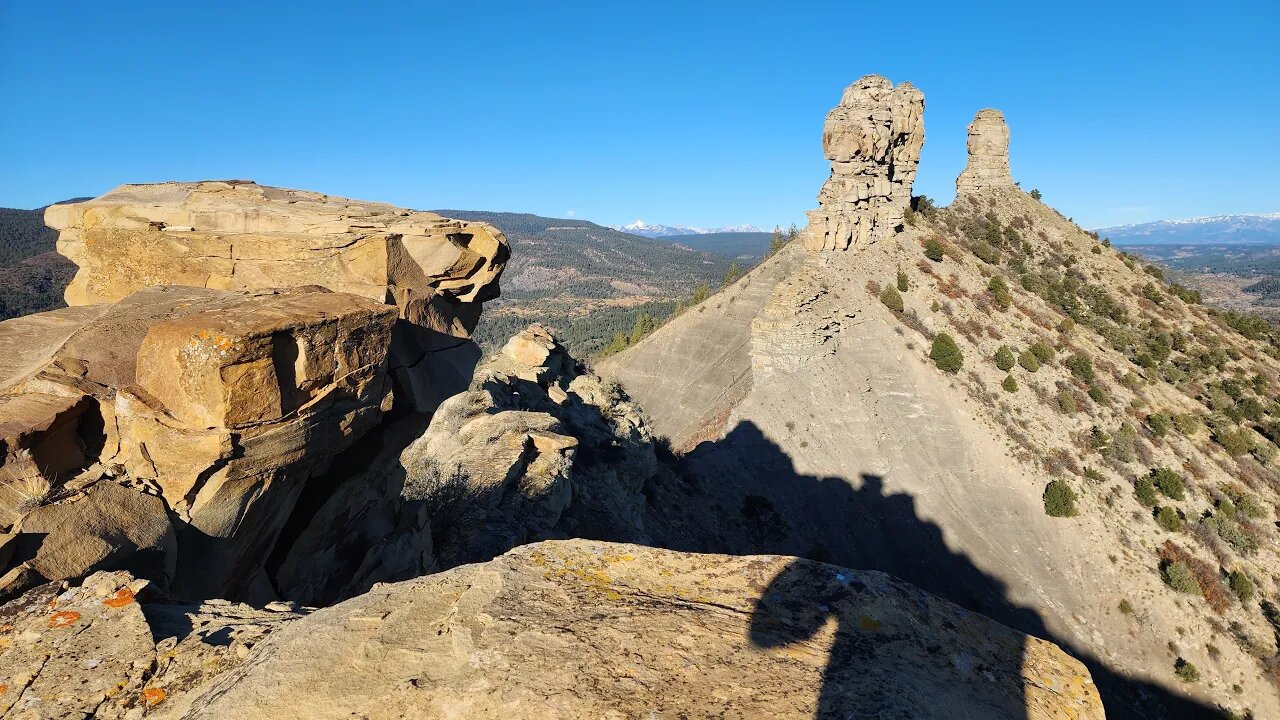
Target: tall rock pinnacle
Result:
[873, 140]
[988, 154]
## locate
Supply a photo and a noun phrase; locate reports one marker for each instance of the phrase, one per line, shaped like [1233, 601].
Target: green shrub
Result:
[1124, 444]
[902, 281]
[1042, 351]
[1264, 452]
[1067, 402]
[1098, 395]
[1235, 440]
[1250, 507]
[1004, 358]
[1186, 671]
[1169, 483]
[1081, 366]
[1241, 585]
[1145, 491]
[1159, 424]
[1028, 361]
[1066, 326]
[946, 354]
[1179, 577]
[1126, 607]
[986, 252]
[1009, 384]
[1232, 533]
[933, 249]
[1035, 194]
[1186, 423]
[1000, 291]
[1059, 500]
[892, 299]
[1168, 518]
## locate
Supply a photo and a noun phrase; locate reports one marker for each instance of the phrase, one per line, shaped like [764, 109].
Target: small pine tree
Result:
[733, 273]
[1028, 361]
[1067, 402]
[1059, 500]
[946, 354]
[933, 249]
[700, 293]
[1009, 384]
[902, 281]
[891, 298]
[1186, 671]
[617, 345]
[776, 241]
[1035, 194]
[643, 326]
[1004, 358]
[792, 233]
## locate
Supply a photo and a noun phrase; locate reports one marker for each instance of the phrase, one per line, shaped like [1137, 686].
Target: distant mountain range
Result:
[1222, 229]
[741, 246]
[652, 230]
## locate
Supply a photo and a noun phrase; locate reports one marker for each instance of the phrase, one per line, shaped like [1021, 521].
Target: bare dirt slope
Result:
[843, 441]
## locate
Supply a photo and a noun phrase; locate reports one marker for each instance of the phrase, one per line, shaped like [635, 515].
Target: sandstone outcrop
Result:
[580, 629]
[237, 235]
[873, 140]
[538, 447]
[209, 407]
[988, 143]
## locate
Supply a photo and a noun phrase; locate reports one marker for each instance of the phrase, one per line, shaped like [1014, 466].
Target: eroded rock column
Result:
[873, 140]
[988, 154]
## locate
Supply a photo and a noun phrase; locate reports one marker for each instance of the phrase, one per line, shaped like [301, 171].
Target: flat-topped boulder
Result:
[221, 405]
[237, 235]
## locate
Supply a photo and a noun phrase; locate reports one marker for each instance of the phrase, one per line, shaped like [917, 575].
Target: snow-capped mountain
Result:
[652, 230]
[1260, 228]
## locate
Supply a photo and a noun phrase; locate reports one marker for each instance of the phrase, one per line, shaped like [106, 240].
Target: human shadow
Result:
[742, 495]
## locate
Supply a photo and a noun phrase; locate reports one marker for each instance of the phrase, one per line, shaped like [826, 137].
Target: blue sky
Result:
[700, 113]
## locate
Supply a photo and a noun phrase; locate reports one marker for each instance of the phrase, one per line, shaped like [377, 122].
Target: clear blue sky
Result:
[694, 112]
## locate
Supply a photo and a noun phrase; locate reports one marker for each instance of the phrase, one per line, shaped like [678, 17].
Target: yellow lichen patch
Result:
[866, 622]
[120, 598]
[63, 619]
[153, 696]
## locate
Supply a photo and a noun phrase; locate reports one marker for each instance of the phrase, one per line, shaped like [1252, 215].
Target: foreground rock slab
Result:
[579, 629]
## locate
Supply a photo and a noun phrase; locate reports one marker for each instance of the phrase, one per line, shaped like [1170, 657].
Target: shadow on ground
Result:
[742, 495]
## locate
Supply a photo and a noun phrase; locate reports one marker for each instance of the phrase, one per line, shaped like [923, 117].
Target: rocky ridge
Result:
[838, 437]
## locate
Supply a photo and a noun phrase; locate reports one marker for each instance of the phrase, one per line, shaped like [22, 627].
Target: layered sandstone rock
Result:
[988, 165]
[209, 407]
[581, 629]
[237, 235]
[873, 140]
[538, 447]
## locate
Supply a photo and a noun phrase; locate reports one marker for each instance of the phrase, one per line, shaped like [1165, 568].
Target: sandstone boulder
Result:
[237, 235]
[222, 404]
[581, 629]
[873, 140]
[988, 143]
[107, 528]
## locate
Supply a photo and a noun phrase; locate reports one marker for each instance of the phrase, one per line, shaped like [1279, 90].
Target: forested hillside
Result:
[32, 275]
[588, 282]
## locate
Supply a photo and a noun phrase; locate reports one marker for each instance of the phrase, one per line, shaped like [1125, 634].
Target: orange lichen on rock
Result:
[63, 619]
[153, 696]
[120, 598]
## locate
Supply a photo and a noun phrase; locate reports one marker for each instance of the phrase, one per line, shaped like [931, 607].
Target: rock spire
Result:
[988, 154]
[873, 140]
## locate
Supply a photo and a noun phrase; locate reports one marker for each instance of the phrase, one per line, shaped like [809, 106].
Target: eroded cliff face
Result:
[873, 140]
